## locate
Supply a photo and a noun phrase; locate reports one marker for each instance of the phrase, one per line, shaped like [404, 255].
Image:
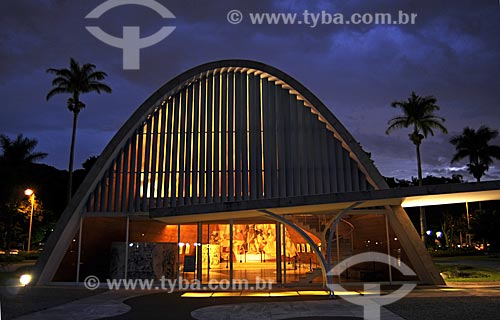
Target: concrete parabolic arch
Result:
[257, 134]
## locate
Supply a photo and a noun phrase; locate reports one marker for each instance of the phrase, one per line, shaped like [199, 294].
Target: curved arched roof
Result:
[286, 142]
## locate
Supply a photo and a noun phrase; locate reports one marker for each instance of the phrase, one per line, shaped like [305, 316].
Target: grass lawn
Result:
[463, 273]
[493, 257]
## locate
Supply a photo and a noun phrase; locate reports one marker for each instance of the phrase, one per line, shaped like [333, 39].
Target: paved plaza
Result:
[464, 302]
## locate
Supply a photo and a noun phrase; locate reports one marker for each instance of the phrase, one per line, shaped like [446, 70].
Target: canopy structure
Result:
[328, 203]
[242, 148]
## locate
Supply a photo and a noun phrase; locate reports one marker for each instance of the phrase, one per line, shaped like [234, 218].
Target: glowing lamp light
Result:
[28, 192]
[428, 232]
[25, 279]
[439, 234]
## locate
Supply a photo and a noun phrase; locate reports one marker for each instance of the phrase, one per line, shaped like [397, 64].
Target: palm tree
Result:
[19, 151]
[475, 145]
[418, 113]
[76, 80]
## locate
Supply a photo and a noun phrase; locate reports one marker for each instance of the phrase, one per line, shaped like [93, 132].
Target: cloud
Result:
[452, 52]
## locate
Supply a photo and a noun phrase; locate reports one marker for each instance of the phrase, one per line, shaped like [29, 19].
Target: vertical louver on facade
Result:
[227, 134]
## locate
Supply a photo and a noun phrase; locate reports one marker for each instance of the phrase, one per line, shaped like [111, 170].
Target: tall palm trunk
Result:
[72, 155]
[419, 164]
[421, 209]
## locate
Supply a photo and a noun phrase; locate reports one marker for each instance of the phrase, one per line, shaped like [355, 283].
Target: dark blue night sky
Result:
[452, 52]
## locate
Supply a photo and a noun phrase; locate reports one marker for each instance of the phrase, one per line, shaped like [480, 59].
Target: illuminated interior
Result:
[203, 251]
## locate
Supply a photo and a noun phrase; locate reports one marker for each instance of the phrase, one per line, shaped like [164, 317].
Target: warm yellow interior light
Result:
[226, 294]
[196, 295]
[346, 293]
[313, 293]
[451, 289]
[284, 294]
[254, 294]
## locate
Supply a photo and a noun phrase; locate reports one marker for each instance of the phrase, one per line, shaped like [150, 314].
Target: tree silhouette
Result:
[89, 163]
[19, 151]
[76, 80]
[418, 113]
[475, 145]
[17, 159]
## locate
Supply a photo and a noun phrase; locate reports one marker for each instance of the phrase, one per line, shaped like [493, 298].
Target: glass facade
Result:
[141, 248]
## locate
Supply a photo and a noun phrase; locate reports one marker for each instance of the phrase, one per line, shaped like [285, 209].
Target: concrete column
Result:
[224, 155]
[231, 252]
[302, 147]
[203, 138]
[279, 273]
[140, 138]
[283, 234]
[339, 156]
[272, 142]
[239, 133]
[294, 143]
[258, 137]
[244, 137]
[188, 159]
[168, 153]
[282, 146]
[147, 163]
[332, 162]
[127, 233]
[124, 179]
[388, 241]
[253, 108]
[163, 153]
[199, 253]
[132, 173]
[230, 135]
[269, 148]
[196, 141]
[420, 259]
[325, 168]
[209, 149]
[182, 146]
[116, 188]
[154, 161]
[79, 254]
[286, 115]
[311, 181]
[175, 149]
[216, 138]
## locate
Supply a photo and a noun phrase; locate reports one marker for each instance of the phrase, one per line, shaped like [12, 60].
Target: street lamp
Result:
[30, 193]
